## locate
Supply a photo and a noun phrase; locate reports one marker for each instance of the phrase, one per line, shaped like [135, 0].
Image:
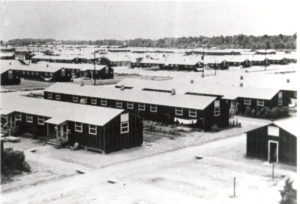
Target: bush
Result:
[13, 161]
[253, 112]
[248, 111]
[215, 128]
[266, 112]
[288, 194]
[159, 127]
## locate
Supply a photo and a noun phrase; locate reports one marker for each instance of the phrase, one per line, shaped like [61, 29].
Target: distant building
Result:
[9, 76]
[7, 55]
[58, 72]
[239, 97]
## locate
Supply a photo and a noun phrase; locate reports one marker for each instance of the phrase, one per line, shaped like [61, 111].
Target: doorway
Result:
[273, 151]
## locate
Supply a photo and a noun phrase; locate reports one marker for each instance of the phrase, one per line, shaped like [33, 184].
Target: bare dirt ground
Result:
[274, 76]
[169, 177]
[160, 172]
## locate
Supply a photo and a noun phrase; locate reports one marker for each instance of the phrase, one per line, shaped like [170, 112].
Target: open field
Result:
[275, 76]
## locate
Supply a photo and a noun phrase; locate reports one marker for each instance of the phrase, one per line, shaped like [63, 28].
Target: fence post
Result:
[273, 167]
[234, 186]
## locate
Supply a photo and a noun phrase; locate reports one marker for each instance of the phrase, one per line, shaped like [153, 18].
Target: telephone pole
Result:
[265, 59]
[203, 63]
[94, 75]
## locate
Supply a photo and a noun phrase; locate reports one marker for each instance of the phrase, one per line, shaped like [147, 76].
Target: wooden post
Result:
[273, 167]
[234, 186]
[94, 74]
[47, 136]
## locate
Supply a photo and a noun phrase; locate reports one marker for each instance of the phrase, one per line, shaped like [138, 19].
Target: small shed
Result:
[275, 142]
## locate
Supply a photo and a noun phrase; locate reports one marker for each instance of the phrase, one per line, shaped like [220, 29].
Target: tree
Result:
[288, 194]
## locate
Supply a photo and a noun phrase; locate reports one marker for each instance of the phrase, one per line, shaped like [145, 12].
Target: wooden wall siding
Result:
[57, 76]
[257, 145]
[287, 147]
[115, 141]
[14, 80]
[210, 119]
[84, 139]
[107, 139]
[33, 128]
[100, 74]
[267, 103]
[288, 95]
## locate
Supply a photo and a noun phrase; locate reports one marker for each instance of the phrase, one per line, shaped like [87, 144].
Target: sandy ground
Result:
[275, 76]
[169, 177]
[160, 172]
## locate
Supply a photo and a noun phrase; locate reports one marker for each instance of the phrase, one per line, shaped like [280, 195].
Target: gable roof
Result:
[81, 67]
[181, 87]
[290, 125]
[147, 97]
[58, 110]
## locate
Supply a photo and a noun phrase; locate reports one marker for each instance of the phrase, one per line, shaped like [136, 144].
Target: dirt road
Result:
[132, 181]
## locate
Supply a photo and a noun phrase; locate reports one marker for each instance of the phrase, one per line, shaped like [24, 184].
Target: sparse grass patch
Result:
[155, 130]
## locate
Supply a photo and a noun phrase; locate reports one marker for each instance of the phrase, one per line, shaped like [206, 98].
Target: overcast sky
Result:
[128, 20]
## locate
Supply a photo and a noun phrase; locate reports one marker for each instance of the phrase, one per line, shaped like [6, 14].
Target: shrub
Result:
[258, 114]
[283, 111]
[253, 112]
[264, 112]
[288, 194]
[13, 161]
[248, 111]
[215, 128]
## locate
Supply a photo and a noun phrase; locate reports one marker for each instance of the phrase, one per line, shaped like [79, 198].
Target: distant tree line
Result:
[28, 41]
[237, 41]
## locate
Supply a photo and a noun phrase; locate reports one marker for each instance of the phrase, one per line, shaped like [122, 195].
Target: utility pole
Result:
[215, 67]
[265, 59]
[94, 75]
[203, 63]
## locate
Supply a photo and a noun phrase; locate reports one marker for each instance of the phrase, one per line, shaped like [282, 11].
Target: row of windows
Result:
[124, 126]
[92, 128]
[78, 126]
[36, 73]
[258, 102]
[119, 104]
[29, 118]
[179, 112]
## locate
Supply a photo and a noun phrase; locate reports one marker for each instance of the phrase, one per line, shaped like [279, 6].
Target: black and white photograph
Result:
[149, 102]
